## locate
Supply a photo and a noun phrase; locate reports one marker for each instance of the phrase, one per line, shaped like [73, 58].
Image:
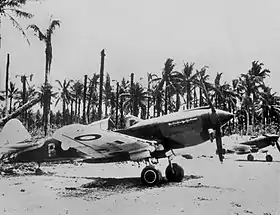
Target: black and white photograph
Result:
[129, 107]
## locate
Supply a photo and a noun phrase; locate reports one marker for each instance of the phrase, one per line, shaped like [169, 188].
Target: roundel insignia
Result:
[87, 137]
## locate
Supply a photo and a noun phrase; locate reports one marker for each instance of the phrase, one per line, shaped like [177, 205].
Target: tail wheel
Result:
[150, 176]
[174, 173]
[250, 157]
[268, 158]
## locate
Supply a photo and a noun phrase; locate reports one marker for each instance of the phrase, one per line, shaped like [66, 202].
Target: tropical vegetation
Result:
[248, 96]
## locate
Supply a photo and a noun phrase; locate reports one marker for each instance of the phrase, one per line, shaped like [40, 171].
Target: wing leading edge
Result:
[103, 144]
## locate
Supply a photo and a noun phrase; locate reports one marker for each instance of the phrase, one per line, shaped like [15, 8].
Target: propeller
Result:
[215, 119]
[275, 140]
[277, 145]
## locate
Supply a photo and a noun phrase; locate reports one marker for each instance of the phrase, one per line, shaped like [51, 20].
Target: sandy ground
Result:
[234, 187]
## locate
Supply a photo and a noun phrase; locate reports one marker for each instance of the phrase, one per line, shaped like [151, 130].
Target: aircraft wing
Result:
[102, 144]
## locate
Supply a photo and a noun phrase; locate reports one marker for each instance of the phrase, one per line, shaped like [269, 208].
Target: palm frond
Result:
[17, 25]
[58, 81]
[20, 13]
[53, 25]
[37, 32]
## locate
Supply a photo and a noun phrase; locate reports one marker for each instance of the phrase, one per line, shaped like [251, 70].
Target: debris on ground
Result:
[14, 169]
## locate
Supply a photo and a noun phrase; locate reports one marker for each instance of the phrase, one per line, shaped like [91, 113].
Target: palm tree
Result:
[64, 96]
[123, 88]
[188, 82]
[47, 39]
[204, 78]
[250, 84]
[257, 74]
[137, 97]
[224, 94]
[92, 96]
[12, 90]
[170, 82]
[9, 8]
[269, 107]
[77, 92]
[46, 90]
[107, 93]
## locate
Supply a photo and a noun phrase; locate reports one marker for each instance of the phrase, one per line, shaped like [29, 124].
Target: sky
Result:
[138, 36]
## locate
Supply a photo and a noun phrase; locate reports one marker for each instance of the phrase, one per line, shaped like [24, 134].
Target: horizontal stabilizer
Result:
[13, 132]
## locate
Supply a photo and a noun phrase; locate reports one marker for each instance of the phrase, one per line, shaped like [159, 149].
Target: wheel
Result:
[269, 158]
[38, 171]
[150, 176]
[176, 174]
[250, 157]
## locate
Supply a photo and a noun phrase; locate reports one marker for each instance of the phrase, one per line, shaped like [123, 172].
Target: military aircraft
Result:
[16, 144]
[254, 144]
[147, 140]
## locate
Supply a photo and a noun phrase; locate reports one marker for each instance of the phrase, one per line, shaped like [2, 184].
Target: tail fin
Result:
[13, 132]
[131, 120]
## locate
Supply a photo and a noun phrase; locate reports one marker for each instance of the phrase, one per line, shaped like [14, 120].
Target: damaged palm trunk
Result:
[20, 110]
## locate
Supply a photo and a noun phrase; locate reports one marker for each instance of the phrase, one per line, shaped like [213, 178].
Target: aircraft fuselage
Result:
[178, 130]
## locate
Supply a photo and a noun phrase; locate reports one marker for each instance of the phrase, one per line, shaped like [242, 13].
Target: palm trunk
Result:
[248, 121]
[76, 108]
[19, 110]
[200, 97]
[195, 97]
[84, 100]
[11, 103]
[188, 96]
[7, 82]
[158, 105]
[89, 101]
[178, 103]
[79, 110]
[46, 93]
[253, 115]
[63, 112]
[121, 112]
[101, 84]
[71, 114]
[165, 101]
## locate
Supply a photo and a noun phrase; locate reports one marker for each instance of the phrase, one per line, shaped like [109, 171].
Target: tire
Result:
[268, 158]
[175, 175]
[250, 157]
[150, 176]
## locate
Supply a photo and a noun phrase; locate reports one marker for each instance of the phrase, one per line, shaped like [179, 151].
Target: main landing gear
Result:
[38, 171]
[268, 157]
[151, 176]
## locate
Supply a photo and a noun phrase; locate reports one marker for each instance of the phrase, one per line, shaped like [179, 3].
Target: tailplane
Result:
[13, 132]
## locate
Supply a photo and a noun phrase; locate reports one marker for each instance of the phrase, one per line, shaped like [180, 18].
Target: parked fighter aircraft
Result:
[16, 144]
[254, 145]
[161, 135]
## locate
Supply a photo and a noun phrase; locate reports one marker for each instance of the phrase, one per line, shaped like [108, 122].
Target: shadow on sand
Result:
[101, 187]
[256, 161]
[128, 182]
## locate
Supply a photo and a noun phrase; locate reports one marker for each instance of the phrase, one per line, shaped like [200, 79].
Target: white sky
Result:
[138, 36]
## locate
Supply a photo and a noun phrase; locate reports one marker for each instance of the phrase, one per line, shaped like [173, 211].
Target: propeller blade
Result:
[277, 145]
[219, 143]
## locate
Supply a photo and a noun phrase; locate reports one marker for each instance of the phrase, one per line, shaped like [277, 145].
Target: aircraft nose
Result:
[224, 116]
